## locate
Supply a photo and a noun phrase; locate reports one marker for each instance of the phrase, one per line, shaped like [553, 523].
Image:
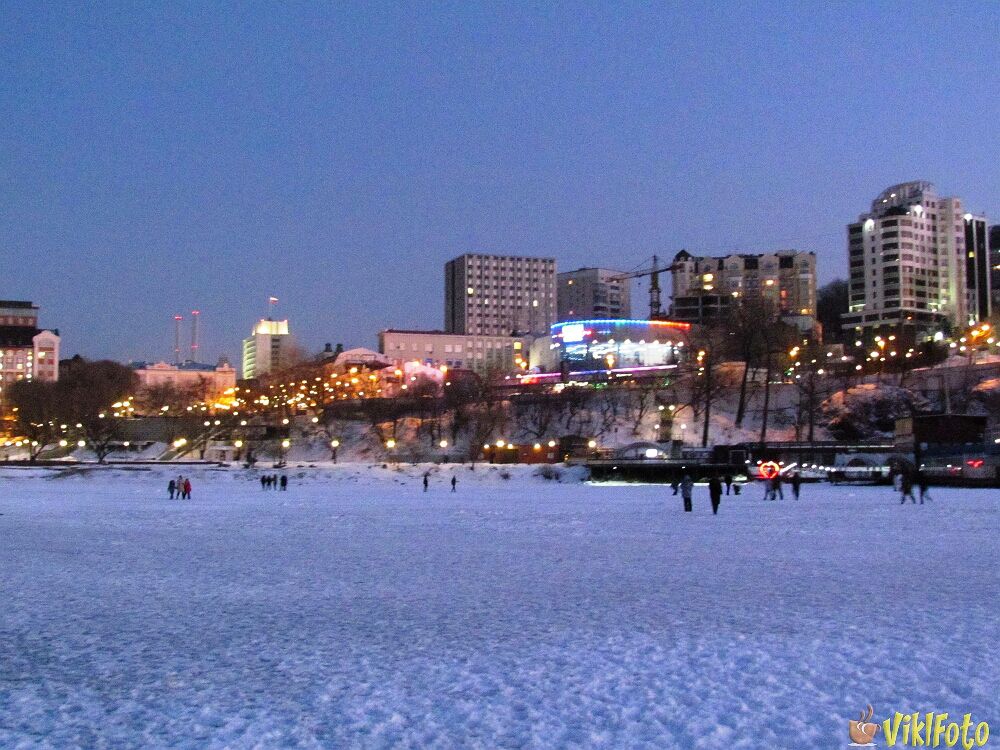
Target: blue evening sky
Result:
[161, 157]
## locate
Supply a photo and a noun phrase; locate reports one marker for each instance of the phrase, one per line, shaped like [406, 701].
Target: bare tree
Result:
[88, 391]
[36, 411]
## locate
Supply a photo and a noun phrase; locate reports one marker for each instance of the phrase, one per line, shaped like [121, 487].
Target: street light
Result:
[334, 444]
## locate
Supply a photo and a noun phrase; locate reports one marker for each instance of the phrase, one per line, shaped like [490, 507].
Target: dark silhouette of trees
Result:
[88, 391]
[37, 412]
[831, 303]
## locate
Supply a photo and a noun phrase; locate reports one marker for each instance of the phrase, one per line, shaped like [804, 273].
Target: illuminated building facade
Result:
[705, 286]
[267, 349]
[27, 352]
[499, 295]
[919, 263]
[206, 382]
[481, 354]
[619, 345]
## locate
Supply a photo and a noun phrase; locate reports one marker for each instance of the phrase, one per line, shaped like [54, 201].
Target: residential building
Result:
[593, 293]
[205, 382]
[705, 286]
[267, 349]
[481, 354]
[499, 295]
[27, 352]
[919, 265]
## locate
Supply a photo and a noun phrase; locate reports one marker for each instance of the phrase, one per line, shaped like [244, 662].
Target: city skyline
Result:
[161, 161]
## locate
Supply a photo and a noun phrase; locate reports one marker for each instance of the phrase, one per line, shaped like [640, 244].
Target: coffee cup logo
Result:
[862, 732]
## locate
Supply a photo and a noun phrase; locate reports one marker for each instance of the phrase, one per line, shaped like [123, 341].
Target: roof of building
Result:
[19, 336]
[19, 304]
[187, 366]
[452, 333]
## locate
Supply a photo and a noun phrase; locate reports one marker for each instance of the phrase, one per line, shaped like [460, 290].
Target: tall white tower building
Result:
[267, 348]
[919, 263]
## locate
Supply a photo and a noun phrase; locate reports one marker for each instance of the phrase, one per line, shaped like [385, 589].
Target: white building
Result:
[267, 349]
[593, 293]
[482, 354]
[207, 382]
[27, 352]
[499, 295]
[919, 263]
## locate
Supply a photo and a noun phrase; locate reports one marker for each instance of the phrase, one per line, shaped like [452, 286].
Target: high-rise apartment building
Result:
[267, 349]
[593, 293]
[919, 263]
[499, 295]
[704, 287]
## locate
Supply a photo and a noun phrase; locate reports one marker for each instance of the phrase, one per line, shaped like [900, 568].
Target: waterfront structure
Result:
[590, 293]
[499, 295]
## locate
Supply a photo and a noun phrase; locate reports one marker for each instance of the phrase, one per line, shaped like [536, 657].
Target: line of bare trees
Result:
[79, 406]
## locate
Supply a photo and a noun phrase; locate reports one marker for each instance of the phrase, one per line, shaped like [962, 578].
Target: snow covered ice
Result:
[354, 610]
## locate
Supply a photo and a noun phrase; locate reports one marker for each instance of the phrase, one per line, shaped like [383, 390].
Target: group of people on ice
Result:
[179, 488]
[273, 482]
[772, 488]
[905, 481]
[427, 481]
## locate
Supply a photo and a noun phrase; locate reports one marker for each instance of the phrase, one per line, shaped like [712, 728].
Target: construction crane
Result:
[655, 305]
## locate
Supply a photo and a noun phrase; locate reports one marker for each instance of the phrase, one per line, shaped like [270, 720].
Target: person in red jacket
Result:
[187, 488]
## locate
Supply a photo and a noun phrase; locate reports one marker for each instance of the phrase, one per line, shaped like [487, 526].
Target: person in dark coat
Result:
[728, 479]
[924, 487]
[427, 481]
[263, 482]
[171, 488]
[284, 482]
[906, 488]
[454, 482]
[687, 488]
[796, 485]
[715, 493]
[675, 485]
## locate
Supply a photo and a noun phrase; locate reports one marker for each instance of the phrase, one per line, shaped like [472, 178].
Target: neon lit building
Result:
[595, 345]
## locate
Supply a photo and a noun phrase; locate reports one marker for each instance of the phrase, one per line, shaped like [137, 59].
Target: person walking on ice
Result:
[171, 488]
[427, 480]
[454, 482]
[715, 493]
[924, 487]
[906, 488]
[687, 487]
[796, 485]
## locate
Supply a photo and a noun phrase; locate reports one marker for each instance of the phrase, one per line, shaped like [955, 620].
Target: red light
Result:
[975, 463]
[769, 470]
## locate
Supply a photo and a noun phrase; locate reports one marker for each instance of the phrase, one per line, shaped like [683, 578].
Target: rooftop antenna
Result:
[177, 339]
[194, 334]
[271, 302]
